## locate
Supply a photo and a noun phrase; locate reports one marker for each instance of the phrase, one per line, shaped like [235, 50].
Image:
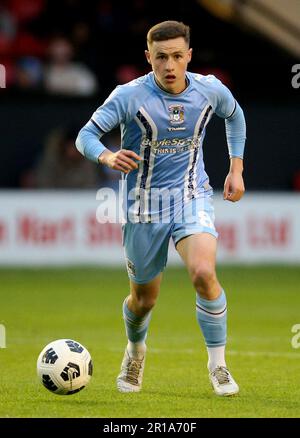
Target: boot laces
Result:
[132, 370]
[222, 375]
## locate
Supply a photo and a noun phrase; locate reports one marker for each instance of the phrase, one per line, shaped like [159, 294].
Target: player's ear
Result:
[190, 52]
[147, 54]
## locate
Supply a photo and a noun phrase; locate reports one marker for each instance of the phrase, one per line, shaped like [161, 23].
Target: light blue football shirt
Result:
[167, 131]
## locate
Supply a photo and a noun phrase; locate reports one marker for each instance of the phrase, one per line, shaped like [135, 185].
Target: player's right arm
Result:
[105, 118]
[122, 160]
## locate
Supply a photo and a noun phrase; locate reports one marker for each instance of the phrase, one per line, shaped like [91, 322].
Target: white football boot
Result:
[223, 382]
[131, 375]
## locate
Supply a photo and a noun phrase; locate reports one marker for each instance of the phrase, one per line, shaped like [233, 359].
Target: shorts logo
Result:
[176, 114]
[130, 267]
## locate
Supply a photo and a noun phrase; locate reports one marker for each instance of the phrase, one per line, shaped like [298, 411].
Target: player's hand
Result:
[123, 160]
[233, 187]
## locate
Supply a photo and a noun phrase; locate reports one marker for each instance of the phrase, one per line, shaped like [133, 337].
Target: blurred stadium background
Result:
[62, 59]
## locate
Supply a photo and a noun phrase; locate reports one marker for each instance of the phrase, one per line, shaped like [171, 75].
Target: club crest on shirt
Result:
[176, 113]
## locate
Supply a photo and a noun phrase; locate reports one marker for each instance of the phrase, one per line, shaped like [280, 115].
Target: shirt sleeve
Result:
[113, 111]
[109, 115]
[88, 142]
[228, 108]
[235, 126]
[225, 102]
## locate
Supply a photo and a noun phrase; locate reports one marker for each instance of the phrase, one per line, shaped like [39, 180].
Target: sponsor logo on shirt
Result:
[172, 146]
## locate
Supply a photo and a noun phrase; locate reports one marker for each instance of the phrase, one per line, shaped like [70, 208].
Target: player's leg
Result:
[195, 239]
[198, 252]
[137, 309]
[146, 248]
[137, 314]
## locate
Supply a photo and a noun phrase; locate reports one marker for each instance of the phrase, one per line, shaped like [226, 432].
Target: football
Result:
[64, 367]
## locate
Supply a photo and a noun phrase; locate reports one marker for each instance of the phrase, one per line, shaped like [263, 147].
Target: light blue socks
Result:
[212, 318]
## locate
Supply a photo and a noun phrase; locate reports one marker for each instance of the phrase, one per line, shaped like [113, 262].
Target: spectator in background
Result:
[8, 26]
[8, 31]
[126, 73]
[28, 73]
[63, 76]
[83, 41]
[62, 166]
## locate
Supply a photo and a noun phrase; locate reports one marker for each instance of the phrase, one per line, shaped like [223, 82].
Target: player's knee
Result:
[203, 276]
[145, 304]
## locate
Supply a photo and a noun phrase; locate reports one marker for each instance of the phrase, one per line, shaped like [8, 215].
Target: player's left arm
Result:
[235, 125]
[234, 187]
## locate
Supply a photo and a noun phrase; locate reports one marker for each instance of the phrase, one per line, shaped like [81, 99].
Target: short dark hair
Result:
[168, 30]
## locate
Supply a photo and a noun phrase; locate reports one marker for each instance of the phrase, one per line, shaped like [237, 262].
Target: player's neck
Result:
[180, 89]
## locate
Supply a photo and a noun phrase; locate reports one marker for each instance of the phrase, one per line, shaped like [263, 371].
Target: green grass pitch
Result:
[41, 305]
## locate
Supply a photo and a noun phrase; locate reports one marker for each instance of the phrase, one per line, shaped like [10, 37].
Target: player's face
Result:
[169, 60]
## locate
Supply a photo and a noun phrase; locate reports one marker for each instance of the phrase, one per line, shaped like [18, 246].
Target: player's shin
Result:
[136, 330]
[212, 318]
